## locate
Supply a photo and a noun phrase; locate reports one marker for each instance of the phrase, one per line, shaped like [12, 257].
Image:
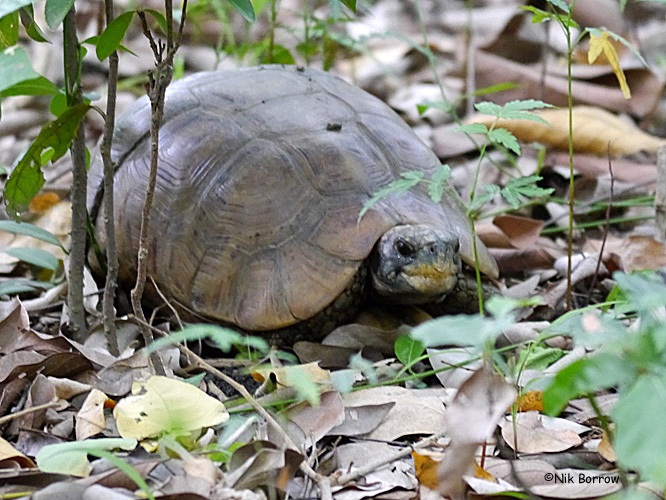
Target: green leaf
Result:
[640, 436]
[281, 55]
[34, 86]
[22, 285]
[539, 357]
[31, 27]
[71, 458]
[438, 183]
[30, 230]
[538, 15]
[27, 178]
[472, 128]
[490, 191]
[9, 30]
[461, 330]
[561, 4]
[505, 138]
[408, 349]
[58, 104]
[493, 89]
[306, 388]
[585, 376]
[245, 9]
[7, 6]
[351, 4]
[408, 181]
[15, 67]
[159, 17]
[224, 338]
[516, 110]
[113, 34]
[433, 104]
[34, 256]
[523, 186]
[55, 11]
[488, 108]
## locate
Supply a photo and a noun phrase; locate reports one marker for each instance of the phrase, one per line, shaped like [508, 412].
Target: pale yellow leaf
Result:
[162, 405]
[604, 43]
[594, 130]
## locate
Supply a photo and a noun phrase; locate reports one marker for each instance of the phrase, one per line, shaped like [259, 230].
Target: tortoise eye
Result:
[404, 248]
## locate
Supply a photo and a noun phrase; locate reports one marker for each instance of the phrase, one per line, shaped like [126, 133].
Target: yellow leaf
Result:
[594, 129]
[162, 405]
[531, 401]
[605, 45]
[482, 473]
[426, 470]
[606, 448]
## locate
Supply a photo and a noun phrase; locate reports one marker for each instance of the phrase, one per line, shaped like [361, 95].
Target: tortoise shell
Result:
[262, 174]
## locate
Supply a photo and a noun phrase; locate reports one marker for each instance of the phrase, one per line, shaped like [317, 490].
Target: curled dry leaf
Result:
[90, 419]
[10, 457]
[593, 130]
[472, 417]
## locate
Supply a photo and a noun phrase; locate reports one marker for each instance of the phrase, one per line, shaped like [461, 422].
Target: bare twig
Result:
[167, 303]
[28, 411]
[606, 227]
[77, 313]
[159, 80]
[109, 225]
[660, 196]
[362, 471]
[322, 481]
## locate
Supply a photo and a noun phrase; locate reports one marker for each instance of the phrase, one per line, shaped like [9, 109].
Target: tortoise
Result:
[262, 174]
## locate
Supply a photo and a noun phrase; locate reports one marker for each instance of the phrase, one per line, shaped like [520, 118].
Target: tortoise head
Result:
[415, 264]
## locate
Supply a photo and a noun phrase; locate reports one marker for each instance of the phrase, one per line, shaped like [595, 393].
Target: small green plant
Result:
[629, 344]
[562, 13]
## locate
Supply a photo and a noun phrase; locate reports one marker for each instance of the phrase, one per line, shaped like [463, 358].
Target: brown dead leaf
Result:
[416, 411]
[512, 261]
[531, 401]
[360, 420]
[602, 90]
[308, 424]
[90, 419]
[624, 170]
[636, 252]
[536, 433]
[260, 463]
[606, 448]
[593, 130]
[520, 232]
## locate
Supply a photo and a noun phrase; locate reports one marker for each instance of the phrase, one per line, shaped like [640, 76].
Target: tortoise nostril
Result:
[431, 249]
[456, 247]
